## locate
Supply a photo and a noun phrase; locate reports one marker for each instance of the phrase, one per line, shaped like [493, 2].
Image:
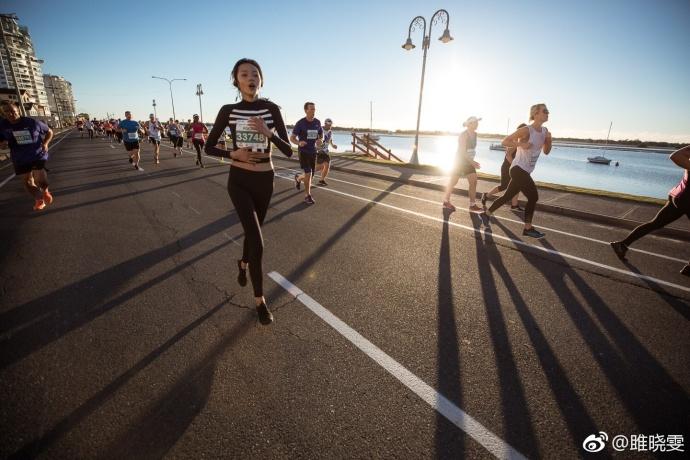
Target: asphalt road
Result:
[125, 335]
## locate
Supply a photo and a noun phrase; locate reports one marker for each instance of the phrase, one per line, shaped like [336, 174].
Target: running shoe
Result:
[474, 208]
[619, 248]
[449, 206]
[297, 183]
[483, 198]
[47, 197]
[265, 315]
[138, 168]
[323, 183]
[158, 162]
[201, 165]
[131, 160]
[686, 270]
[516, 208]
[39, 205]
[534, 233]
[197, 162]
[242, 275]
[309, 200]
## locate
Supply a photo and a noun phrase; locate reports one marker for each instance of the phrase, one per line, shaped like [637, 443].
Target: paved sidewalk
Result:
[624, 213]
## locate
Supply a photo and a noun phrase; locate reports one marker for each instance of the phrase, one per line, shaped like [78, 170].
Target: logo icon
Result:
[594, 442]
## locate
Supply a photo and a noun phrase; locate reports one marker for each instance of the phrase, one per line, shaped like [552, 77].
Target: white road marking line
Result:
[2, 184]
[7, 180]
[506, 219]
[194, 210]
[176, 194]
[433, 398]
[514, 241]
[227, 235]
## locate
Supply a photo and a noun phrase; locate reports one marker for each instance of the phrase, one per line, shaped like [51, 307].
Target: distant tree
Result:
[84, 116]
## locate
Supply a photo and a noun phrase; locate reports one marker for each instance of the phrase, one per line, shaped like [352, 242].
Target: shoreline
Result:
[495, 178]
[628, 148]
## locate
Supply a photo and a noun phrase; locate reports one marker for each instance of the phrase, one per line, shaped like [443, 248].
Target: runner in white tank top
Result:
[530, 142]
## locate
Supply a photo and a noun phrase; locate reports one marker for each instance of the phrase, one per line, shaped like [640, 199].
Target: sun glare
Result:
[447, 145]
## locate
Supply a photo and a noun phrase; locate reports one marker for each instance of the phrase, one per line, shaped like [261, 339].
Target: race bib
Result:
[312, 134]
[199, 136]
[133, 136]
[246, 137]
[22, 137]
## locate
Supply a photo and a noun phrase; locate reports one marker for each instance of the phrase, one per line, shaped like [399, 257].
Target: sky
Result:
[592, 62]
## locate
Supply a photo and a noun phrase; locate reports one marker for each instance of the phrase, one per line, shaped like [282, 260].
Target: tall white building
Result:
[16, 47]
[60, 98]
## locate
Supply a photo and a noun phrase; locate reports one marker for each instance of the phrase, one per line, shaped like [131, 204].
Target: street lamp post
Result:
[155, 114]
[171, 93]
[200, 92]
[420, 22]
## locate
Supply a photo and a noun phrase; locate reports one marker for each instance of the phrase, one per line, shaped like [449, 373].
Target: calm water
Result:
[640, 173]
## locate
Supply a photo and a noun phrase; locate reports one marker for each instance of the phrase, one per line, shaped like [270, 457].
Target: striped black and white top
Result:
[235, 116]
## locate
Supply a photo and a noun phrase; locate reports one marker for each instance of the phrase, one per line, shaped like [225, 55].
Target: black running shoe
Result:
[323, 183]
[686, 270]
[265, 315]
[483, 199]
[242, 275]
[131, 160]
[516, 208]
[297, 183]
[534, 233]
[619, 248]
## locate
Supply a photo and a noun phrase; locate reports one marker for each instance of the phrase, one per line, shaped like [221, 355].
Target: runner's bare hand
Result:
[258, 124]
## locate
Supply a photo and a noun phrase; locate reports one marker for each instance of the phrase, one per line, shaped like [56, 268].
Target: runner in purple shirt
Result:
[308, 135]
[28, 140]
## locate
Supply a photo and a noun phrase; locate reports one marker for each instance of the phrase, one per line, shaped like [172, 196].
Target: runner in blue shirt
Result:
[308, 135]
[28, 141]
[130, 135]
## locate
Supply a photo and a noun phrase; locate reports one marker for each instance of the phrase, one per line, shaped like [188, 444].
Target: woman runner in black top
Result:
[505, 177]
[252, 122]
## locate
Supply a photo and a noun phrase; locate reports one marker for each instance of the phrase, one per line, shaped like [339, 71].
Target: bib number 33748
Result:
[246, 137]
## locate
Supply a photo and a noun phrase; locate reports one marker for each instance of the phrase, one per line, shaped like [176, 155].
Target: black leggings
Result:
[250, 193]
[665, 216]
[520, 181]
[198, 145]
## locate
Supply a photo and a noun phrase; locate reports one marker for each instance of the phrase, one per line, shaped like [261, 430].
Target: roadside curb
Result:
[553, 209]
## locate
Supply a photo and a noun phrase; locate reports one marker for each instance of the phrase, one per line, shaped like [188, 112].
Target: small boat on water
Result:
[497, 147]
[602, 160]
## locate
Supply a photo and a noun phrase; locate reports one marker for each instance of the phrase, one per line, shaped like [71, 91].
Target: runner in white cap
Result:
[322, 156]
[465, 165]
[154, 130]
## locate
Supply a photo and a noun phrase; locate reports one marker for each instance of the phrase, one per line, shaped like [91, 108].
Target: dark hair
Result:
[521, 125]
[236, 69]
[307, 104]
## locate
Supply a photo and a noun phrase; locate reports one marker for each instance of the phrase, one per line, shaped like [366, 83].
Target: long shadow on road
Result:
[654, 400]
[449, 441]
[190, 405]
[518, 422]
[33, 325]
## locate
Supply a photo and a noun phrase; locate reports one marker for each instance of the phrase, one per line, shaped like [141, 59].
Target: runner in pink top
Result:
[677, 206]
[198, 131]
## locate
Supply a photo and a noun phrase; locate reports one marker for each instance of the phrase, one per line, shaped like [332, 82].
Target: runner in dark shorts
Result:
[28, 140]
